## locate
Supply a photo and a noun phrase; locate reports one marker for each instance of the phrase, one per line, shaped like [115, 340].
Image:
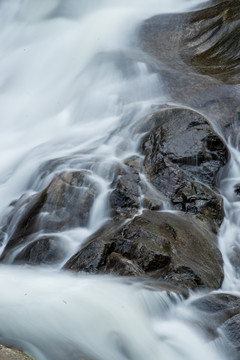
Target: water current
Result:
[71, 94]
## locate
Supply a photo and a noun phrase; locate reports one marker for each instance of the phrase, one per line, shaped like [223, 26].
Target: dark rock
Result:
[194, 147]
[64, 204]
[184, 164]
[90, 258]
[119, 265]
[44, 250]
[198, 199]
[163, 245]
[124, 199]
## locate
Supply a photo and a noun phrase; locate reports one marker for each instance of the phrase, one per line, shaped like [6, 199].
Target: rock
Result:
[119, 265]
[64, 204]
[44, 250]
[231, 330]
[12, 354]
[211, 41]
[125, 198]
[184, 164]
[206, 40]
[167, 246]
[183, 47]
[218, 317]
[194, 147]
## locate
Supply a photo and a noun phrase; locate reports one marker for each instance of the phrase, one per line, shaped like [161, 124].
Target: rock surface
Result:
[164, 245]
[219, 317]
[12, 354]
[64, 204]
[184, 164]
[197, 56]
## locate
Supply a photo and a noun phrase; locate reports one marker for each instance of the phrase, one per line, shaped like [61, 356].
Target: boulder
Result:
[186, 139]
[45, 250]
[197, 56]
[207, 40]
[218, 316]
[184, 164]
[64, 204]
[231, 330]
[163, 245]
[12, 354]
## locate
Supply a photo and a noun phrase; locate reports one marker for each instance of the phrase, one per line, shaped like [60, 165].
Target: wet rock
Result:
[198, 199]
[182, 47]
[90, 258]
[119, 265]
[44, 250]
[170, 246]
[218, 316]
[184, 164]
[194, 148]
[205, 39]
[231, 329]
[12, 354]
[124, 199]
[211, 42]
[64, 204]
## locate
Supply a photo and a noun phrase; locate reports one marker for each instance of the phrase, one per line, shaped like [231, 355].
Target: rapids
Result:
[71, 93]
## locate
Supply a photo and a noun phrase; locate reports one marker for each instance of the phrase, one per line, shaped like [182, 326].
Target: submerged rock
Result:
[171, 246]
[12, 354]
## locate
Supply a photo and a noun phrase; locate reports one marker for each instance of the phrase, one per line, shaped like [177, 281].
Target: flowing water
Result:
[71, 94]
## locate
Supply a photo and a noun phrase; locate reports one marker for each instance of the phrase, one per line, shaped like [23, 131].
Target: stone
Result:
[161, 245]
[196, 55]
[184, 165]
[194, 147]
[218, 316]
[12, 354]
[45, 250]
[64, 204]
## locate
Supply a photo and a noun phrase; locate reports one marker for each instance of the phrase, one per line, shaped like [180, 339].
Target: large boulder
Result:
[197, 56]
[172, 246]
[206, 39]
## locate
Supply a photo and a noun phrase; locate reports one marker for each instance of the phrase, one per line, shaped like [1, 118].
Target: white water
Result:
[64, 96]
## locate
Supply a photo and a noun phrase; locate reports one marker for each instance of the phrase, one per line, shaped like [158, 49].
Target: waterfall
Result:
[72, 92]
